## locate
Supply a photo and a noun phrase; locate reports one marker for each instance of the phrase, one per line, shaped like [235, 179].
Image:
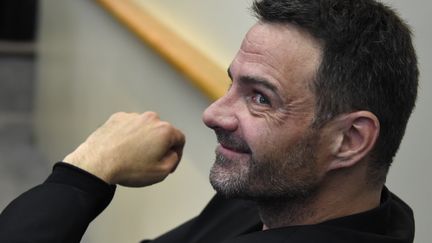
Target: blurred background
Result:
[21, 165]
[65, 66]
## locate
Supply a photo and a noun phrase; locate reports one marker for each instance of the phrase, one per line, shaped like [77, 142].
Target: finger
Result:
[171, 160]
[177, 138]
[150, 115]
[178, 143]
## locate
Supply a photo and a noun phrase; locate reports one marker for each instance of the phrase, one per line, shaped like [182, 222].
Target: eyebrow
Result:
[257, 81]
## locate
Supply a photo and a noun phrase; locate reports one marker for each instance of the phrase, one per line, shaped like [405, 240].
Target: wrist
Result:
[90, 165]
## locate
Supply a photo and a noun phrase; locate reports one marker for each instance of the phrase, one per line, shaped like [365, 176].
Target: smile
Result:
[231, 153]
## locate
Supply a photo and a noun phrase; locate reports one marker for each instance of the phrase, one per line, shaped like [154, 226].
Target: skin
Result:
[131, 149]
[268, 104]
[268, 149]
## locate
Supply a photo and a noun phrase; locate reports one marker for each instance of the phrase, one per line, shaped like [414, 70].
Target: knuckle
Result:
[168, 166]
[123, 115]
[117, 114]
[150, 114]
[165, 125]
[166, 129]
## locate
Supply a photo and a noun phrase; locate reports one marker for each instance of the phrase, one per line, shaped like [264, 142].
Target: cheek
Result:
[255, 135]
[270, 132]
[265, 141]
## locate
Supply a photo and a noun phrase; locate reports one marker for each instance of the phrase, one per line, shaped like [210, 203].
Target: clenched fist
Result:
[131, 150]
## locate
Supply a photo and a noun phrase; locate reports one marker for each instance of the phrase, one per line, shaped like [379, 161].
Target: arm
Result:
[133, 150]
[59, 210]
[129, 149]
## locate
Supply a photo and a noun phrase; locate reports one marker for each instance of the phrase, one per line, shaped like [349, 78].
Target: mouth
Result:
[232, 153]
[234, 149]
[231, 146]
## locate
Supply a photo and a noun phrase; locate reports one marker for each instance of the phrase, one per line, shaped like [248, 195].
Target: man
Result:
[321, 93]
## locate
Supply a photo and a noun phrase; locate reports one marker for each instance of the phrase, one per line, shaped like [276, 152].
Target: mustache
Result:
[231, 141]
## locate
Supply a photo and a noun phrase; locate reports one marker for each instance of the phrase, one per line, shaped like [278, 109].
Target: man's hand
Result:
[131, 150]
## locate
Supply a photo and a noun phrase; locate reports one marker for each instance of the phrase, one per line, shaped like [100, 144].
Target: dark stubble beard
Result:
[282, 174]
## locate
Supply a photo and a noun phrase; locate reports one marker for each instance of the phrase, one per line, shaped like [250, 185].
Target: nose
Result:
[221, 114]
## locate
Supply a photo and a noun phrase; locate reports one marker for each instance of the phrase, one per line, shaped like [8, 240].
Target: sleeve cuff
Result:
[64, 173]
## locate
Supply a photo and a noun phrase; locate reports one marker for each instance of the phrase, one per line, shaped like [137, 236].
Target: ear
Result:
[355, 136]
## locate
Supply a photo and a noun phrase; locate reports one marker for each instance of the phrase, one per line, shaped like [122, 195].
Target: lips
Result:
[235, 149]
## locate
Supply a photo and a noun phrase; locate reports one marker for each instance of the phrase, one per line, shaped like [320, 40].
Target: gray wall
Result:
[90, 67]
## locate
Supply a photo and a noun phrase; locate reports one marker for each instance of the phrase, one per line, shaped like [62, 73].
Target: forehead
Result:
[280, 53]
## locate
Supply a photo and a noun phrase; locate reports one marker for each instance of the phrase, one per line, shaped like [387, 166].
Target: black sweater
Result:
[60, 209]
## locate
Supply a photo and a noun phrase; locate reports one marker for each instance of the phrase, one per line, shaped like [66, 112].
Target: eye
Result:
[260, 99]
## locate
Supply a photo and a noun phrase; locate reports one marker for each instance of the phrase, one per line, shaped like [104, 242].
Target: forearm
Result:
[59, 210]
[129, 149]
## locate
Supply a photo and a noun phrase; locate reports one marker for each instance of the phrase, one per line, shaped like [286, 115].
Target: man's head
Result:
[318, 86]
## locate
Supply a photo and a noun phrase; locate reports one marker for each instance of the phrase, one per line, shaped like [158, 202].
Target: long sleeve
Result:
[59, 210]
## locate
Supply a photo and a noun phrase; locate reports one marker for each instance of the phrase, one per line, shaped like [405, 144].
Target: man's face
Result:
[267, 148]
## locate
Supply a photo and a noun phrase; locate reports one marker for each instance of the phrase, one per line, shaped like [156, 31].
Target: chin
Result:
[229, 182]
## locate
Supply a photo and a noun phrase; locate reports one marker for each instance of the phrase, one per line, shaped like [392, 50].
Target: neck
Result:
[328, 203]
[285, 212]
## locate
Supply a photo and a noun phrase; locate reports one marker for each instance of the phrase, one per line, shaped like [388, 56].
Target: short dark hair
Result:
[369, 63]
